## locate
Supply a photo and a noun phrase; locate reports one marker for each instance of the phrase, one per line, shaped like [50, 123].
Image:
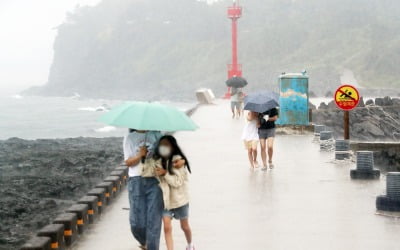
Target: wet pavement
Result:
[308, 201]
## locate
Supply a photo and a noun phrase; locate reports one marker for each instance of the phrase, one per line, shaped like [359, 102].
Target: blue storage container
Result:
[293, 99]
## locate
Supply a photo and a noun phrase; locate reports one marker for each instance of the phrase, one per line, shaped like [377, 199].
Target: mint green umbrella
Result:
[148, 116]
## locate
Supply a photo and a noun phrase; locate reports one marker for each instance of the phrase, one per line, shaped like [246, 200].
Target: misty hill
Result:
[166, 49]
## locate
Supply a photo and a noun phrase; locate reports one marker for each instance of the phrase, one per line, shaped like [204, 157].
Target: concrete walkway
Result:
[307, 202]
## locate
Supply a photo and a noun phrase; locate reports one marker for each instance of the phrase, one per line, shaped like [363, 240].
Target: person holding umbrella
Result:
[265, 103]
[145, 195]
[266, 133]
[236, 84]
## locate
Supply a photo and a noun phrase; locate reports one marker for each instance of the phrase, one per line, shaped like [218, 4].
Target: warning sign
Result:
[347, 97]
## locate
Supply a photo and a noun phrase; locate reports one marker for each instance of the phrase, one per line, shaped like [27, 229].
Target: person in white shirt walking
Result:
[145, 196]
[250, 138]
[236, 101]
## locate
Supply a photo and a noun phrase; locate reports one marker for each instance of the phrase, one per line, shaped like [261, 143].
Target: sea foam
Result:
[105, 129]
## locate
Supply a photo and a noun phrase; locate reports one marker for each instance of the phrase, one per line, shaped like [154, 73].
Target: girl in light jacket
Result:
[174, 184]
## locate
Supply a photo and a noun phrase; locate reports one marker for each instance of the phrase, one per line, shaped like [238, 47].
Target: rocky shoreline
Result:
[40, 178]
[372, 123]
[374, 120]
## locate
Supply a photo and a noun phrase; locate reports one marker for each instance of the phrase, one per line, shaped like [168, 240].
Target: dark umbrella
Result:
[261, 102]
[236, 82]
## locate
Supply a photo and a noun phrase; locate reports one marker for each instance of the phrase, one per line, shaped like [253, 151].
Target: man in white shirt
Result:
[145, 196]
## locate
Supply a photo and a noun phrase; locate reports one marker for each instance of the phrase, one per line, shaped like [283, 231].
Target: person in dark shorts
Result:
[266, 133]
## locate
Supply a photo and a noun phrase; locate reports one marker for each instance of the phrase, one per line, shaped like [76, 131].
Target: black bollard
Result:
[81, 211]
[318, 129]
[390, 201]
[342, 148]
[121, 175]
[56, 233]
[365, 166]
[116, 183]
[109, 195]
[124, 168]
[69, 221]
[91, 201]
[100, 193]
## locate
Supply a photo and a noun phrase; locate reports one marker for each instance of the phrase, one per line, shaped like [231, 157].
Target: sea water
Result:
[31, 117]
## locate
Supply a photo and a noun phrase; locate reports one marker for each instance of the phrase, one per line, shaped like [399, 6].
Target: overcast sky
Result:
[26, 40]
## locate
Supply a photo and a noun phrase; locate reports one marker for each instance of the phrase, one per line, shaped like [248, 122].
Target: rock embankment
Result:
[40, 178]
[374, 120]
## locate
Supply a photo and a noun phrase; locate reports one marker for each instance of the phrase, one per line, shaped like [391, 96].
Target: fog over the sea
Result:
[26, 40]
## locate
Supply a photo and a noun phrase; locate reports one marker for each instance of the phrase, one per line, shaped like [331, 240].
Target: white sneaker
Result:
[190, 247]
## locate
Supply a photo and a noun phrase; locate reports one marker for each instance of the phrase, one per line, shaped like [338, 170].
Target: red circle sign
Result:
[347, 97]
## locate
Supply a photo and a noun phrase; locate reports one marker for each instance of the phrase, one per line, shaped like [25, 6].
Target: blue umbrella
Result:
[261, 102]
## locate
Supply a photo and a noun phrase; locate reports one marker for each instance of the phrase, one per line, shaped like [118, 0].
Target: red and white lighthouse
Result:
[234, 69]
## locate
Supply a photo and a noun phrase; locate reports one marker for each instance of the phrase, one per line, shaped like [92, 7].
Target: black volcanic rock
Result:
[369, 102]
[40, 178]
[323, 106]
[367, 123]
[387, 101]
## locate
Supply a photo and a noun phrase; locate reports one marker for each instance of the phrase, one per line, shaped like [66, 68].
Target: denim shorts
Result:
[179, 213]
